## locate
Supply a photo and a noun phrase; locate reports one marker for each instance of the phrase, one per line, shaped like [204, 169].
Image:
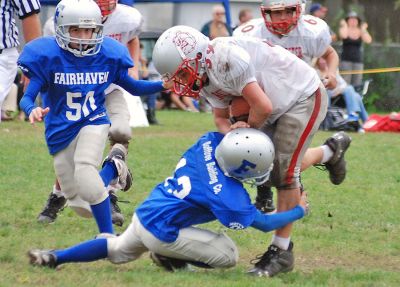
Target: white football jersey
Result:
[232, 63]
[310, 39]
[124, 24]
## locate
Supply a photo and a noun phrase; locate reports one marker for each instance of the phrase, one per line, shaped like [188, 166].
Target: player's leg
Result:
[151, 109]
[293, 134]
[121, 249]
[194, 246]
[120, 132]
[8, 70]
[88, 154]
[264, 199]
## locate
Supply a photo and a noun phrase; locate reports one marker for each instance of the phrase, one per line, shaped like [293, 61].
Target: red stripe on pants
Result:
[304, 136]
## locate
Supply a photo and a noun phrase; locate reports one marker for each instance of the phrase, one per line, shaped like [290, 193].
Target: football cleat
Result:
[116, 215]
[53, 206]
[273, 262]
[338, 143]
[117, 155]
[44, 258]
[167, 263]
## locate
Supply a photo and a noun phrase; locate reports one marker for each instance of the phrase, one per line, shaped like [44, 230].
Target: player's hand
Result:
[134, 73]
[304, 203]
[330, 81]
[168, 84]
[239, 124]
[37, 114]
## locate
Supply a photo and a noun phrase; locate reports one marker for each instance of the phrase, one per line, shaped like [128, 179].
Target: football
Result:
[239, 108]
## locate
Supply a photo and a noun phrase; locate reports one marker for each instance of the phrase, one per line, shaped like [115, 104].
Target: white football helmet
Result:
[247, 155]
[83, 14]
[281, 27]
[179, 51]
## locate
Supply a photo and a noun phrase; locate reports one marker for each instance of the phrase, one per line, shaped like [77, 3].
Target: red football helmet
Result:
[282, 27]
[106, 6]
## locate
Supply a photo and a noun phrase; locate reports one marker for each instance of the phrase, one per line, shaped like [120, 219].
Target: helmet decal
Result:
[185, 41]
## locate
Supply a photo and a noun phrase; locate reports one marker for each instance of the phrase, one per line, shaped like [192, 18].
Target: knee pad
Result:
[90, 185]
[81, 207]
[120, 132]
[231, 253]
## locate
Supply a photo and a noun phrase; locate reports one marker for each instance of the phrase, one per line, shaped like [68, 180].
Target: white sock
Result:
[57, 192]
[281, 242]
[327, 153]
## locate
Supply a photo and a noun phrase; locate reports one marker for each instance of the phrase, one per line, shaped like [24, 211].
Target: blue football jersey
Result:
[198, 192]
[72, 87]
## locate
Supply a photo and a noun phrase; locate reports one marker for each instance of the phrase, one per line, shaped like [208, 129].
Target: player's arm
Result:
[260, 104]
[269, 222]
[140, 87]
[134, 50]
[332, 61]
[222, 122]
[27, 103]
[31, 27]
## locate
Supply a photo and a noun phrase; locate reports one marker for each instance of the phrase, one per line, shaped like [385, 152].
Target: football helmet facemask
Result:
[81, 14]
[179, 56]
[106, 7]
[285, 26]
[246, 154]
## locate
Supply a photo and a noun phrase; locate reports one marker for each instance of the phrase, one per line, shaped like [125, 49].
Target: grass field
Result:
[351, 238]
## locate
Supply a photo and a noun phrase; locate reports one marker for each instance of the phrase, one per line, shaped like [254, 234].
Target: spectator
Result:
[183, 103]
[354, 105]
[28, 12]
[217, 26]
[245, 15]
[353, 32]
[317, 10]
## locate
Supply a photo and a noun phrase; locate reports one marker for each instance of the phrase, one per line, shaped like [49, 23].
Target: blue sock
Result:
[102, 214]
[108, 172]
[91, 250]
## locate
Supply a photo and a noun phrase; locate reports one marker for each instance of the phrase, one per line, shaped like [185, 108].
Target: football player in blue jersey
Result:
[206, 186]
[71, 71]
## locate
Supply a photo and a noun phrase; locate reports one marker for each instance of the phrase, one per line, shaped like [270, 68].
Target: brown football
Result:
[239, 107]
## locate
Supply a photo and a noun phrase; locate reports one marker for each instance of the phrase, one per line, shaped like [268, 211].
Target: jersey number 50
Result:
[79, 108]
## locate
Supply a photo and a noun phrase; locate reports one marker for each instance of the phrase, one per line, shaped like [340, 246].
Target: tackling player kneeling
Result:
[207, 185]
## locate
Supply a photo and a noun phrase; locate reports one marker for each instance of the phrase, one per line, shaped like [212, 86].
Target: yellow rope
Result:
[371, 71]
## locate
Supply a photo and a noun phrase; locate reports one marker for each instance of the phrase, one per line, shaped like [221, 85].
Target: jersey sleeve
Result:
[250, 29]
[26, 8]
[235, 68]
[318, 35]
[137, 24]
[32, 64]
[232, 205]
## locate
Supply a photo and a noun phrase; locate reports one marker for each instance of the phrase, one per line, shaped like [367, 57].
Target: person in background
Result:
[28, 12]
[353, 33]
[245, 15]
[217, 27]
[317, 10]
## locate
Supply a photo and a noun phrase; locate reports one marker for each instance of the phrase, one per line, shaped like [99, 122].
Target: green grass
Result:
[351, 237]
